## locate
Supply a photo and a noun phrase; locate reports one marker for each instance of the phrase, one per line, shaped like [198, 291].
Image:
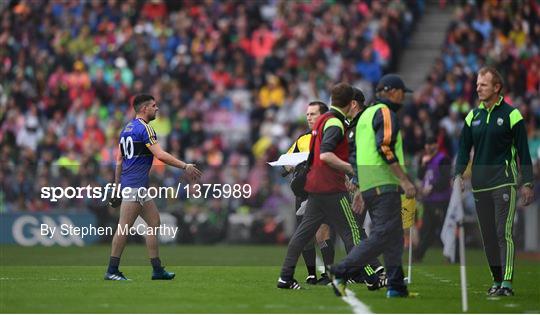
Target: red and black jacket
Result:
[321, 177]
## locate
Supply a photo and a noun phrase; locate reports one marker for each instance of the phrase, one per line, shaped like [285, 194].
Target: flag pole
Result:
[408, 211]
[409, 271]
[463, 273]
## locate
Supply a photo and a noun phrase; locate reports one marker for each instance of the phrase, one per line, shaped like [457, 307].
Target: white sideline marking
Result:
[50, 279]
[4, 279]
[357, 306]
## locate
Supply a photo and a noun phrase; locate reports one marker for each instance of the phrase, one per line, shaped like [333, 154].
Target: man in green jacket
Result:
[381, 179]
[497, 132]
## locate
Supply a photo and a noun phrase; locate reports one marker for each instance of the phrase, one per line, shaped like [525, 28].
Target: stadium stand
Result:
[232, 80]
[505, 34]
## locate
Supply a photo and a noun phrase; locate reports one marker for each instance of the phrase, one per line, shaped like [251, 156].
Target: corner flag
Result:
[454, 220]
[408, 214]
[454, 215]
[408, 211]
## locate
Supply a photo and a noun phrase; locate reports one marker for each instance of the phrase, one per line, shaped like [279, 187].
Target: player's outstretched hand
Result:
[193, 172]
[115, 202]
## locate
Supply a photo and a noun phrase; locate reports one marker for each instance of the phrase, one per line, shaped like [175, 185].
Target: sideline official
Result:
[328, 199]
[497, 133]
[357, 108]
[324, 238]
[379, 160]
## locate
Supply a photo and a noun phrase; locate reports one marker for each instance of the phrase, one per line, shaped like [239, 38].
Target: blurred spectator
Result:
[434, 173]
[272, 94]
[31, 133]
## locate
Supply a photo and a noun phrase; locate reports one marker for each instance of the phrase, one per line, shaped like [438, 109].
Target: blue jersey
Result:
[137, 159]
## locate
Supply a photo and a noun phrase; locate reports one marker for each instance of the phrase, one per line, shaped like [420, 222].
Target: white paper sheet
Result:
[290, 159]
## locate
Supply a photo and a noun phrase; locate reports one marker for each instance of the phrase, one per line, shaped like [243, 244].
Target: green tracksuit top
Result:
[499, 137]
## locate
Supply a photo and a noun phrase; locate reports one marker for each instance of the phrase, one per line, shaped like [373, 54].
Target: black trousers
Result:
[432, 222]
[496, 210]
[335, 210]
[298, 203]
[386, 238]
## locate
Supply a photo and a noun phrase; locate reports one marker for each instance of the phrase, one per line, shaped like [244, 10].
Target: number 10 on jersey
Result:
[127, 147]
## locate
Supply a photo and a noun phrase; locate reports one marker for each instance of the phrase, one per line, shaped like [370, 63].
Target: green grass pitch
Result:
[232, 279]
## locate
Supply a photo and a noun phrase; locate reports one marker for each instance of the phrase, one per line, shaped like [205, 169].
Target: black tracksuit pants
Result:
[386, 237]
[496, 210]
[335, 210]
[310, 245]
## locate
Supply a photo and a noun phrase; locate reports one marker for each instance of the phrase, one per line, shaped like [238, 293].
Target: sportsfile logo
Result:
[190, 191]
[110, 190]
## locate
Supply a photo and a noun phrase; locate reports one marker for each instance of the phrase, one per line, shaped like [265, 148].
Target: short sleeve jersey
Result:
[135, 139]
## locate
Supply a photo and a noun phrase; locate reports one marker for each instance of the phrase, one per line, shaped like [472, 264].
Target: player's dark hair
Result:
[342, 94]
[323, 108]
[359, 96]
[140, 100]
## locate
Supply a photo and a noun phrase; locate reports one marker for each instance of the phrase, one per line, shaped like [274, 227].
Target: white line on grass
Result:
[50, 279]
[491, 298]
[357, 306]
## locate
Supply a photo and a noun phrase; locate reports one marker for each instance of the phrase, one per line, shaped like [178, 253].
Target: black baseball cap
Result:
[391, 81]
[358, 96]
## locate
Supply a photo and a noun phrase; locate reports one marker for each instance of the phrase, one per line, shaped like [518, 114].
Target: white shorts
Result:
[135, 196]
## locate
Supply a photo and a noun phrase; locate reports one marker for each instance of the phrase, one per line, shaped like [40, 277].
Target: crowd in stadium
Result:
[505, 35]
[232, 80]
